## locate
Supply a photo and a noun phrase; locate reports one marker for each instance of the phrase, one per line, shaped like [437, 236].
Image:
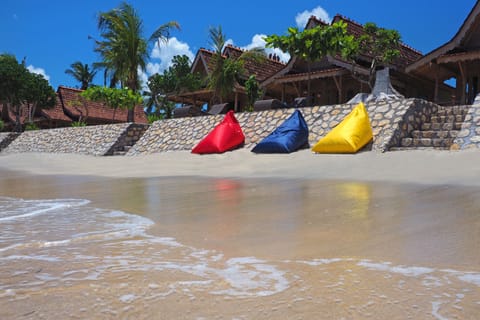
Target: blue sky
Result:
[53, 34]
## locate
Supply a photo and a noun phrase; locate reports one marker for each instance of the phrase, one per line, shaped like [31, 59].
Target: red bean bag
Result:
[227, 135]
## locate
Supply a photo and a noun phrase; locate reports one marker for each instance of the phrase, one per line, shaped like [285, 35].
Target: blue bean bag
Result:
[290, 136]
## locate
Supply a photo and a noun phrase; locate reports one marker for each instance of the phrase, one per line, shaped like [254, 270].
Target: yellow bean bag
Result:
[349, 136]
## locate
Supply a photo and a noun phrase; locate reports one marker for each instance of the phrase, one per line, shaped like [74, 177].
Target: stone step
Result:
[426, 142]
[434, 134]
[119, 153]
[442, 126]
[446, 119]
[418, 148]
[452, 111]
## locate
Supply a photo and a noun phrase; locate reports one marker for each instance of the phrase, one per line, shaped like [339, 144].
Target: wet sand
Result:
[298, 242]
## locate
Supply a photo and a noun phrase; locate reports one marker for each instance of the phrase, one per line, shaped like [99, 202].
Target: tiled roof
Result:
[206, 56]
[261, 69]
[56, 113]
[407, 53]
[95, 112]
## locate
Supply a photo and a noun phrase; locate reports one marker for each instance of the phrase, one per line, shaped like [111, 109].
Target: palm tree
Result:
[82, 73]
[227, 71]
[124, 50]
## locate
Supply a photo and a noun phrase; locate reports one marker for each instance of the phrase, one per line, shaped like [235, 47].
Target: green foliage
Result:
[315, 43]
[113, 97]
[312, 44]
[174, 80]
[82, 73]
[19, 89]
[2, 125]
[31, 126]
[123, 48]
[154, 117]
[253, 91]
[379, 43]
[13, 77]
[79, 124]
[40, 94]
[227, 71]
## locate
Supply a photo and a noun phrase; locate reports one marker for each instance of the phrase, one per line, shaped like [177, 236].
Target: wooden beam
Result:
[459, 57]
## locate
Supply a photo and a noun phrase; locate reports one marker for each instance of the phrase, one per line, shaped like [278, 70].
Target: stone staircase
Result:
[122, 151]
[439, 133]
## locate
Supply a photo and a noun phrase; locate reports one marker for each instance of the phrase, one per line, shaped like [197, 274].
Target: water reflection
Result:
[266, 248]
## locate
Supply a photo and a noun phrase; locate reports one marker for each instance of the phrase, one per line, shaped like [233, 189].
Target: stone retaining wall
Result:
[6, 138]
[469, 135]
[390, 120]
[91, 140]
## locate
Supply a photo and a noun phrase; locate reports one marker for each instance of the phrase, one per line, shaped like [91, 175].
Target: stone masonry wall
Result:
[390, 120]
[91, 140]
[469, 135]
[6, 138]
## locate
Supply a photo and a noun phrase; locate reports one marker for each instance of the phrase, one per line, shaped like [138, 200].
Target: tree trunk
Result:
[131, 115]
[309, 92]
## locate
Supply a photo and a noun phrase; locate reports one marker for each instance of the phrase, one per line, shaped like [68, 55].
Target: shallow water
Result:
[196, 248]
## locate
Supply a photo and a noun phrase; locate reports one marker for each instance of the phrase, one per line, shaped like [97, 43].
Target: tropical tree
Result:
[83, 73]
[253, 90]
[114, 98]
[379, 44]
[123, 49]
[314, 44]
[174, 80]
[39, 94]
[227, 70]
[20, 90]
[12, 78]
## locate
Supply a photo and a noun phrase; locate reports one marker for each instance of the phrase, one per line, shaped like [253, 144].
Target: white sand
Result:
[429, 167]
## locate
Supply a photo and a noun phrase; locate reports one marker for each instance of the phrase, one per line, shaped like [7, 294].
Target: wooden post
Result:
[338, 83]
[283, 92]
[463, 84]
[236, 102]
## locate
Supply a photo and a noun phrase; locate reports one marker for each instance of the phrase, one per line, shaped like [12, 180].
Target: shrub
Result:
[154, 117]
[2, 125]
[79, 124]
[31, 126]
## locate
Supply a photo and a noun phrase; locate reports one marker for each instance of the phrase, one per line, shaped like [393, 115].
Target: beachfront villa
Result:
[332, 79]
[70, 108]
[458, 59]
[203, 65]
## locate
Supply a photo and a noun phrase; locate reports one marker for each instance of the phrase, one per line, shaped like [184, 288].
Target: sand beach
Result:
[240, 236]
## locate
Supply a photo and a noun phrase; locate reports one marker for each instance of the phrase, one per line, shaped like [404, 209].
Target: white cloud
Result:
[165, 53]
[302, 18]
[259, 42]
[41, 71]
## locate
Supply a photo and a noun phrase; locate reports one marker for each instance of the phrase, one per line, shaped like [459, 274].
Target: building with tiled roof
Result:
[203, 64]
[93, 113]
[70, 107]
[459, 59]
[332, 80]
